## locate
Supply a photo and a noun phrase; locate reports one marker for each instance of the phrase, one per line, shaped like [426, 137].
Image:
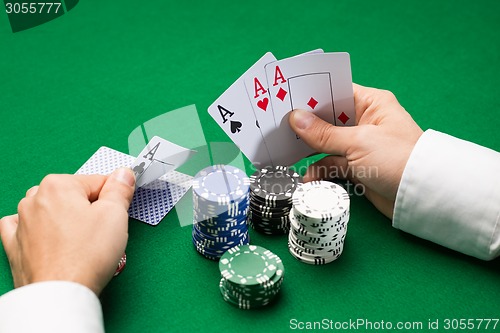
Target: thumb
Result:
[320, 135]
[119, 187]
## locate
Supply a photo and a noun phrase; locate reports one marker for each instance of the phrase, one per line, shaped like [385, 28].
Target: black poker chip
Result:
[271, 191]
[274, 184]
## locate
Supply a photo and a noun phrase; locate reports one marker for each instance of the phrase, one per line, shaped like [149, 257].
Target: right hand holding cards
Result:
[260, 100]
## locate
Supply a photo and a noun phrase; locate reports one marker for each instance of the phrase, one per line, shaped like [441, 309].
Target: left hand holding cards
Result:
[50, 235]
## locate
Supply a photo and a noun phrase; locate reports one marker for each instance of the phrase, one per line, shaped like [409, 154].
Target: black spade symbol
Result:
[235, 126]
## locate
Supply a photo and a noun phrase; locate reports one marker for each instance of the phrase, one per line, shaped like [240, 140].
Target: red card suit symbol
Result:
[343, 118]
[312, 103]
[235, 126]
[28, 14]
[263, 103]
[281, 94]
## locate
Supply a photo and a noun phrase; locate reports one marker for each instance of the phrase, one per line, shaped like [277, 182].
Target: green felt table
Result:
[89, 77]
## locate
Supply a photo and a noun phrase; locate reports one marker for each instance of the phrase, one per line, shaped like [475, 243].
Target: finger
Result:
[119, 188]
[88, 186]
[329, 167]
[320, 135]
[363, 99]
[8, 227]
[32, 191]
[362, 91]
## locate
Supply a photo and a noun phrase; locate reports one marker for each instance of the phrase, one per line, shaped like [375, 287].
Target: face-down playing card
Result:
[151, 202]
[318, 83]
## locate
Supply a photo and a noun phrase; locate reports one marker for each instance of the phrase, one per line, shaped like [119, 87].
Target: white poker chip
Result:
[318, 222]
[320, 200]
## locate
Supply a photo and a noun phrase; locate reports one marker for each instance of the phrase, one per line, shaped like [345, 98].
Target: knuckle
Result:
[388, 95]
[23, 205]
[51, 180]
[53, 183]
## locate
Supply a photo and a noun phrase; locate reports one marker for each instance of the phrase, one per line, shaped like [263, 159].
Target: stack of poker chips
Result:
[271, 191]
[251, 276]
[318, 222]
[220, 200]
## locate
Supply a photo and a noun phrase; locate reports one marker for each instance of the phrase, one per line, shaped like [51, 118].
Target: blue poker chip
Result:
[221, 203]
[232, 233]
[219, 246]
[222, 226]
[208, 204]
[231, 209]
[215, 251]
[221, 236]
[221, 232]
[219, 243]
[220, 223]
[200, 214]
[221, 184]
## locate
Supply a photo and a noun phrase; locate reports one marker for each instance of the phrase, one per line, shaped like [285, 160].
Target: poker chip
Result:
[318, 222]
[320, 201]
[220, 190]
[251, 276]
[121, 264]
[220, 209]
[271, 192]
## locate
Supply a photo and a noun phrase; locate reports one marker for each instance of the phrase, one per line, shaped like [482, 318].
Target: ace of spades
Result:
[235, 126]
[233, 112]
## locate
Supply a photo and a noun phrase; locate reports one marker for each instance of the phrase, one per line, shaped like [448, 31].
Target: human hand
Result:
[373, 154]
[71, 228]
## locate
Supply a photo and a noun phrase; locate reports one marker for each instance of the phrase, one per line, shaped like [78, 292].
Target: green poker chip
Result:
[251, 276]
[247, 265]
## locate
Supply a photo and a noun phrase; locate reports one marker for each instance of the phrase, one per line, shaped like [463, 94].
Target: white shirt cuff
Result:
[450, 194]
[53, 306]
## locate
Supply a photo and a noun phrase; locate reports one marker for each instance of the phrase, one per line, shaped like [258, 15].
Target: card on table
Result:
[234, 114]
[157, 158]
[151, 202]
[320, 83]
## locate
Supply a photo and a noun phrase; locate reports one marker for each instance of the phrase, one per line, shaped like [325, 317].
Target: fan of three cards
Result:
[254, 110]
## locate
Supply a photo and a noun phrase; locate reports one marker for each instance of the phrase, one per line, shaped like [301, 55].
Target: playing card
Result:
[258, 93]
[157, 158]
[318, 83]
[234, 114]
[150, 203]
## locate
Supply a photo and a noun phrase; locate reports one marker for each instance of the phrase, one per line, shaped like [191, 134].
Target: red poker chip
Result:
[121, 264]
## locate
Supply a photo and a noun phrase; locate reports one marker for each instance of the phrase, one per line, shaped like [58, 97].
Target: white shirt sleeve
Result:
[53, 306]
[450, 194]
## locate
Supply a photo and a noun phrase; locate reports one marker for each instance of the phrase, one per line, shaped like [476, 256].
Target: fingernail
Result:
[302, 119]
[125, 176]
